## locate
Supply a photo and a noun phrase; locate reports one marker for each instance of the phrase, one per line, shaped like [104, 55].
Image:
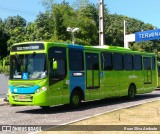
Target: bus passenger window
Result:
[106, 59]
[92, 61]
[76, 60]
[128, 62]
[117, 61]
[137, 62]
[147, 63]
[153, 63]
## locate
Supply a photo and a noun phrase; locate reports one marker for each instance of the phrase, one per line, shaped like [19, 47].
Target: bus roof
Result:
[95, 48]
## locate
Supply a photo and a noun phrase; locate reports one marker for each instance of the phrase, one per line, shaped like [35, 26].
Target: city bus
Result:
[48, 73]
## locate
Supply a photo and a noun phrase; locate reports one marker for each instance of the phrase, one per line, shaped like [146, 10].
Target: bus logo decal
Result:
[132, 76]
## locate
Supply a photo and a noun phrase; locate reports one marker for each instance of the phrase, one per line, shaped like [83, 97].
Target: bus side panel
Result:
[55, 93]
[136, 78]
[110, 82]
[77, 80]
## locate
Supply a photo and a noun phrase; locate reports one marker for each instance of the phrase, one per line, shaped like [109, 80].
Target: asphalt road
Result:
[32, 115]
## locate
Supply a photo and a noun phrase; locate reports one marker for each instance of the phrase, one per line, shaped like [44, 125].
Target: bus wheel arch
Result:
[132, 91]
[76, 97]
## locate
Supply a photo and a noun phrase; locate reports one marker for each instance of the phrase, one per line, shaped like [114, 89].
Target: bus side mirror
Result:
[55, 65]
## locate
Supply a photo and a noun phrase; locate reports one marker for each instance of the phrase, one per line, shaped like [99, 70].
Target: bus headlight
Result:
[44, 88]
[41, 89]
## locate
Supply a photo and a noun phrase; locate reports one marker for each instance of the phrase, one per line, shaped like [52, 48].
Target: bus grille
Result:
[22, 98]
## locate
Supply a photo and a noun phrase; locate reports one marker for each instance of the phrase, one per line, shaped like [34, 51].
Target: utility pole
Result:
[101, 23]
[124, 31]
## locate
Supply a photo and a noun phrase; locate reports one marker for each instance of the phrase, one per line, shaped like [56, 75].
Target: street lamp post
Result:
[73, 30]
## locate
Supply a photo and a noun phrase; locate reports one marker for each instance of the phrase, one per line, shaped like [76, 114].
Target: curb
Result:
[132, 105]
[99, 114]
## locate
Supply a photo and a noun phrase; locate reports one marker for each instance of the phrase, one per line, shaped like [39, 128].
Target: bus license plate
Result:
[22, 96]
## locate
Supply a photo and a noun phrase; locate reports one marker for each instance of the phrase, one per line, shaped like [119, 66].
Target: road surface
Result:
[3, 85]
[33, 115]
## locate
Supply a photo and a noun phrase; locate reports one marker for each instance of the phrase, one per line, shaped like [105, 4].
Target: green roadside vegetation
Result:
[4, 65]
[51, 25]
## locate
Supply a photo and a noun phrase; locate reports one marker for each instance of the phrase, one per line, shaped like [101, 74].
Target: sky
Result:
[144, 10]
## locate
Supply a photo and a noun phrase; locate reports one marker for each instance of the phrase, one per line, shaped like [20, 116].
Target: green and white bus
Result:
[48, 73]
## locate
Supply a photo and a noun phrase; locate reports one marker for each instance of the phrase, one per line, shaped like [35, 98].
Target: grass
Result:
[145, 114]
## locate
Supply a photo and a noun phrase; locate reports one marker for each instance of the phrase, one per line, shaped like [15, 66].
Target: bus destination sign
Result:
[27, 47]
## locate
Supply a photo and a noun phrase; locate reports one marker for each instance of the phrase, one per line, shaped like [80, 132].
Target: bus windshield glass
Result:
[28, 66]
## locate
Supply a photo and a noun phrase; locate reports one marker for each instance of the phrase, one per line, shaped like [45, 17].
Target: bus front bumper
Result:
[28, 99]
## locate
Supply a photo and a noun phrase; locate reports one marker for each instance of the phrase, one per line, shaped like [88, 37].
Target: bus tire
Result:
[131, 92]
[75, 99]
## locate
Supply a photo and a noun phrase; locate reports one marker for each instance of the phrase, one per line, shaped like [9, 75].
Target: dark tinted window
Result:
[117, 61]
[92, 62]
[137, 62]
[106, 59]
[76, 59]
[147, 63]
[153, 63]
[128, 62]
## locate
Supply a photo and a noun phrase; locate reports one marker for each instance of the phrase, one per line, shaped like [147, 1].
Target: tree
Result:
[14, 27]
[63, 17]
[41, 29]
[87, 21]
[3, 41]
[47, 4]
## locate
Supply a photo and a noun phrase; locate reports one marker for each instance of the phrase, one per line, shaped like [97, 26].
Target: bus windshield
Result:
[28, 66]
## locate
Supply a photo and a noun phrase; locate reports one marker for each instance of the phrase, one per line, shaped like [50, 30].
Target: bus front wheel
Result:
[131, 92]
[75, 99]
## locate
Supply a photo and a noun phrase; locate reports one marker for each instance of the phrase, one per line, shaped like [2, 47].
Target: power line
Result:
[9, 9]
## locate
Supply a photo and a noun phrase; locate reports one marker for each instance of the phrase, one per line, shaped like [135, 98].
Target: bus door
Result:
[76, 66]
[57, 75]
[147, 70]
[92, 75]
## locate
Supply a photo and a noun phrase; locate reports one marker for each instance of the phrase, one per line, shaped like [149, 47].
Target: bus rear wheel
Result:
[131, 92]
[75, 99]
